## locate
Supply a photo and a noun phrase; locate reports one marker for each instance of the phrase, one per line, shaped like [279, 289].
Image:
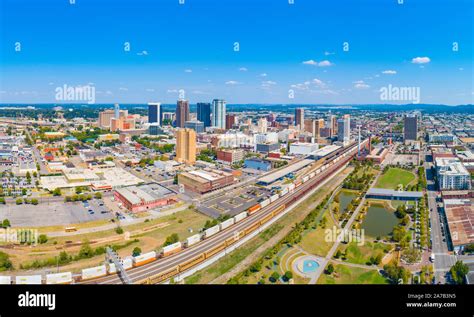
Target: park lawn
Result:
[352, 275]
[314, 241]
[361, 254]
[395, 176]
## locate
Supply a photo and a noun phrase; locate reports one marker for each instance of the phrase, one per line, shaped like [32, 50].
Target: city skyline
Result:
[295, 53]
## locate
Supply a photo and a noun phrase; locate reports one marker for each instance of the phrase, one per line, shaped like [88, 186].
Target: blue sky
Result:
[286, 50]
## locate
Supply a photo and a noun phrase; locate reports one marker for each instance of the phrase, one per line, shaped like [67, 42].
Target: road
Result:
[443, 260]
[162, 265]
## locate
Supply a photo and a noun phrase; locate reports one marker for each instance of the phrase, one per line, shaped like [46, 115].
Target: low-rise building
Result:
[144, 197]
[258, 164]
[230, 156]
[204, 181]
[303, 148]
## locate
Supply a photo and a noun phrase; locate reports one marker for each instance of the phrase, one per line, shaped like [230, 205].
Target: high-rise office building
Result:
[344, 129]
[182, 113]
[154, 113]
[314, 126]
[299, 118]
[105, 117]
[204, 113]
[332, 124]
[410, 128]
[186, 146]
[218, 113]
[196, 125]
[230, 121]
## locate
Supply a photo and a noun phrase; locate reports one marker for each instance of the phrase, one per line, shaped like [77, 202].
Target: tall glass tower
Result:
[218, 113]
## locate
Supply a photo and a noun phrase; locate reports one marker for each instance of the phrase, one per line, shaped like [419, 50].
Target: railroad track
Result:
[166, 267]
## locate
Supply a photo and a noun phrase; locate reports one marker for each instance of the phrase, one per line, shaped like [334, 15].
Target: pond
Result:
[345, 197]
[379, 221]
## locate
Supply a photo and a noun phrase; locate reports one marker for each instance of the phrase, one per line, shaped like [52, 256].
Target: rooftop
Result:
[268, 179]
[145, 193]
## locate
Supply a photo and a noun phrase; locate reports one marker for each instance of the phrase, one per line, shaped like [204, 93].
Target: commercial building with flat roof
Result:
[204, 181]
[303, 148]
[144, 197]
[460, 218]
[273, 177]
[452, 175]
[390, 194]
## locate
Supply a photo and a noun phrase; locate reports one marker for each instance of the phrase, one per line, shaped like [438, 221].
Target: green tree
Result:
[330, 269]
[274, 277]
[57, 192]
[34, 201]
[136, 251]
[98, 195]
[5, 263]
[458, 272]
[173, 238]
[42, 238]
[6, 223]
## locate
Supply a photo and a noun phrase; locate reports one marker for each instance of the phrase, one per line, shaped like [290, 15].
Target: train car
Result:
[5, 280]
[252, 228]
[192, 240]
[265, 203]
[305, 179]
[127, 263]
[291, 187]
[312, 174]
[226, 224]
[284, 192]
[236, 237]
[318, 171]
[266, 218]
[111, 269]
[240, 216]
[160, 277]
[28, 279]
[59, 278]
[171, 249]
[298, 183]
[273, 198]
[94, 272]
[211, 231]
[144, 258]
[279, 209]
[254, 209]
[190, 263]
[215, 250]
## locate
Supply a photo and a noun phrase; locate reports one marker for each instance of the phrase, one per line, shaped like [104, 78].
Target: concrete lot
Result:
[234, 202]
[54, 213]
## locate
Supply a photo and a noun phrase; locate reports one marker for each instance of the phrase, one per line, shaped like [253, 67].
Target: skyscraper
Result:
[332, 124]
[229, 121]
[218, 113]
[154, 113]
[204, 113]
[410, 128]
[299, 118]
[344, 129]
[186, 146]
[116, 111]
[182, 113]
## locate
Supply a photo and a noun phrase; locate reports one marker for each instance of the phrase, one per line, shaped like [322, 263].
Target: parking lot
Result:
[234, 202]
[54, 213]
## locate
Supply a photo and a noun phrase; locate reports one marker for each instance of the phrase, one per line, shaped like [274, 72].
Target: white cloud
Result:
[324, 63]
[188, 70]
[263, 75]
[360, 84]
[421, 60]
[319, 83]
[150, 89]
[267, 84]
[232, 82]
[389, 72]
[123, 88]
[243, 69]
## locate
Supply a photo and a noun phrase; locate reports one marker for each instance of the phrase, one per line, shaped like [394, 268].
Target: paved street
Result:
[443, 260]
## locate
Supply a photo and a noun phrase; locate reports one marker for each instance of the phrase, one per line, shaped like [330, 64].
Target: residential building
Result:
[186, 146]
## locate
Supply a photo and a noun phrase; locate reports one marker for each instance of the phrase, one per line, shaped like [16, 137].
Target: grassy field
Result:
[314, 241]
[361, 254]
[151, 236]
[352, 275]
[395, 176]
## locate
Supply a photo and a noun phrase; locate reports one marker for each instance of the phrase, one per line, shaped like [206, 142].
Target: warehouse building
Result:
[258, 164]
[460, 218]
[144, 197]
[204, 181]
[390, 194]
